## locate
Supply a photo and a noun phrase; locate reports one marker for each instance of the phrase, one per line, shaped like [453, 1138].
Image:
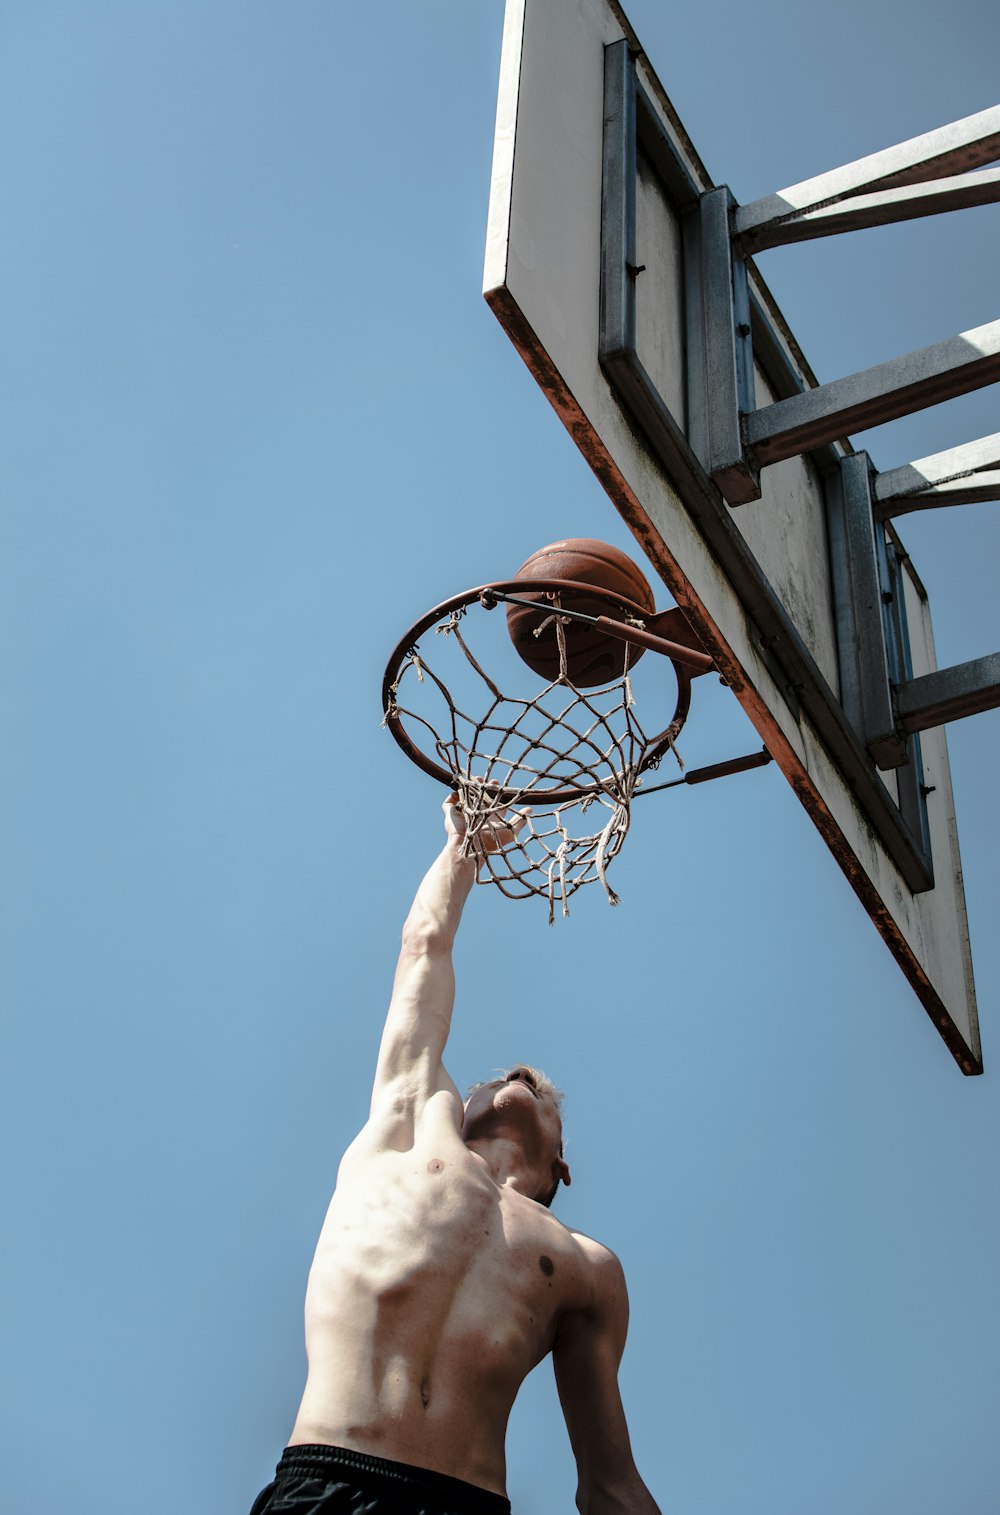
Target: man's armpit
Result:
[403, 1108]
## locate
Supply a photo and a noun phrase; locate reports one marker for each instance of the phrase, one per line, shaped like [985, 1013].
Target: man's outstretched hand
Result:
[499, 832]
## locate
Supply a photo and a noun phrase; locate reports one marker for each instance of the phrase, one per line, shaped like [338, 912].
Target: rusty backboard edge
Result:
[548, 377]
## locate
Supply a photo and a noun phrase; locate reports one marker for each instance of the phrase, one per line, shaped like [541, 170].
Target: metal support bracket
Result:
[874, 640]
[886, 705]
[868, 695]
[923, 176]
[937, 172]
[874, 395]
[961, 476]
[949, 694]
[723, 770]
[719, 305]
[716, 326]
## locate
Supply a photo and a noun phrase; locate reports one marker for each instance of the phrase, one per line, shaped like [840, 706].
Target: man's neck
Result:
[507, 1164]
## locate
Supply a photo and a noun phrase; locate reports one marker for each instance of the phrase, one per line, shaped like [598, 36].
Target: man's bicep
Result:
[586, 1355]
[586, 1369]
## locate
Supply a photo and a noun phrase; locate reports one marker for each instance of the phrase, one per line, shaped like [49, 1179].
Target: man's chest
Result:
[434, 1222]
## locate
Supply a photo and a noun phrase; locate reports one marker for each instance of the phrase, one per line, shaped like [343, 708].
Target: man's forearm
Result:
[423, 991]
[630, 1498]
[437, 907]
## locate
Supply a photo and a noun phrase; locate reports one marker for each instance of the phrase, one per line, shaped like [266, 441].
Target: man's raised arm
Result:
[409, 1066]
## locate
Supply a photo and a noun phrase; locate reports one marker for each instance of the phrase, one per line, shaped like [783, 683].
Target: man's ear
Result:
[560, 1171]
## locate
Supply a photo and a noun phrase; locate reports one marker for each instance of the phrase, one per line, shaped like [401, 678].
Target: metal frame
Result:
[949, 693]
[961, 476]
[728, 328]
[927, 175]
[906, 204]
[910, 790]
[868, 398]
[874, 190]
[631, 122]
[863, 626]
[885, 703]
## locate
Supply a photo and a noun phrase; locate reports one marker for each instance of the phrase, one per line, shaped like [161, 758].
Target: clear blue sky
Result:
[256, 416]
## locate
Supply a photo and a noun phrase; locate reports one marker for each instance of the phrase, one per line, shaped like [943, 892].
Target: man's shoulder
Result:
[597, 1300]
[600, 1267]
[596, 1253]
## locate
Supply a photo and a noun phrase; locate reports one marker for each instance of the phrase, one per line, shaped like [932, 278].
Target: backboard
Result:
[608, 260]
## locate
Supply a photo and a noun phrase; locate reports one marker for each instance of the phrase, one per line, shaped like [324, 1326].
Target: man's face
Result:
[516, 1096]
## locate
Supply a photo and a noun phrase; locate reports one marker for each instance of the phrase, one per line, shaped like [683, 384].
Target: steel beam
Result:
[618, 267]
[977, 489]
[949, 694]
[871, 696]
[910, 792]
[875, 395]
[723, 383]
[908, 203]
[962, 475]
[969, 143]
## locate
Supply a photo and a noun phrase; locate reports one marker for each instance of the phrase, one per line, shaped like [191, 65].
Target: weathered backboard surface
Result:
[768, 586]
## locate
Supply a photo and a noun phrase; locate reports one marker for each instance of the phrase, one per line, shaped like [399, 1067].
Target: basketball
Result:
[591, 657]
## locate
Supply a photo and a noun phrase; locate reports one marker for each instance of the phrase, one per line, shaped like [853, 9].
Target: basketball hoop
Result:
[571, 757]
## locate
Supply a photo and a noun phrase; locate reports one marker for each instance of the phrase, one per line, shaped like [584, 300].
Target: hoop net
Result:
[520, 751]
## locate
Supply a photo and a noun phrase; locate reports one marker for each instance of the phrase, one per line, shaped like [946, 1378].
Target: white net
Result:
[568, 759]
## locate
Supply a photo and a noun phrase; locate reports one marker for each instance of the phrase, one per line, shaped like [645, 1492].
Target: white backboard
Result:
[760, 584]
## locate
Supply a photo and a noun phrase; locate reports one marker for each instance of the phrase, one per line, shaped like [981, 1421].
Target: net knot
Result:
[550, 620]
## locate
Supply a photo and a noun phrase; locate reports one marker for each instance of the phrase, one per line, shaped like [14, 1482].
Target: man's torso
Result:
[433, 1293]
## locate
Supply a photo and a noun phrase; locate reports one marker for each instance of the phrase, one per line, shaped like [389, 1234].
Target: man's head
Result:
[522, 1105]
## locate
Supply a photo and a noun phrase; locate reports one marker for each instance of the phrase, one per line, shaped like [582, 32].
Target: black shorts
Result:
[321, 1480]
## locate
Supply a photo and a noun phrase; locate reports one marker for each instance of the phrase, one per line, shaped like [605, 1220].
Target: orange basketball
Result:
[591, 656]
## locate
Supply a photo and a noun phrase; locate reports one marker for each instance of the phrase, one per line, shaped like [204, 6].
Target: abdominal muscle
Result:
[426, 1309]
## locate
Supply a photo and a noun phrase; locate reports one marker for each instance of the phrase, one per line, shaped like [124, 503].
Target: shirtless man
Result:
[441, 1277]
